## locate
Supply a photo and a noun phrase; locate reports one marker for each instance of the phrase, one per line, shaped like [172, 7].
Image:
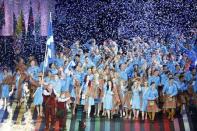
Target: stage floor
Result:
[161, 123]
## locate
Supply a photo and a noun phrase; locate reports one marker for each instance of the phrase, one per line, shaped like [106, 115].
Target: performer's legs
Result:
[142, 115]
[153, 115]
[89, 110]
[74, 107]
[137, 114]
[150, 116]
[134, 114]
[38, 111]
[99, 108]
[169, 113]
[108, 114]
[62, 121]
[128, 113]
[53, 118]
[121, 110]
[95, 109]
[47, 117]
[41, 110]
[172, 114]
[146, 116]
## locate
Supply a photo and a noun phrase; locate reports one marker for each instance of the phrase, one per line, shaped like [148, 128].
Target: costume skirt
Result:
[152, 106]
[5, 91]
[170, 103]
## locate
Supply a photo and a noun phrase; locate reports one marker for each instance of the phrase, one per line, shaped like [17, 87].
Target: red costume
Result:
[61, 111]
[50, 105]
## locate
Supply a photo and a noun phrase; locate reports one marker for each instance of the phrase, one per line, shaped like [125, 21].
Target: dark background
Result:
[118, 19]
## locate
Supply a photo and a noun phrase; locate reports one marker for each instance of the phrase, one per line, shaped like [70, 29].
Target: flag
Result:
[71, 64]
[50, 47]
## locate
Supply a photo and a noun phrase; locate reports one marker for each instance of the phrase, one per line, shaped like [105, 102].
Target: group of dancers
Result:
[142, 80]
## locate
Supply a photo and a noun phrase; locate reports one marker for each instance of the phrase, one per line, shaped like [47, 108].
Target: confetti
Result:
[103, 19]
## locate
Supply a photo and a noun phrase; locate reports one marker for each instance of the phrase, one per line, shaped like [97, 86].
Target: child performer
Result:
[108, 98]
[144, 100]
[170, 91]
[61, 109]
[38, 98]
[152, 97]
[136, 99]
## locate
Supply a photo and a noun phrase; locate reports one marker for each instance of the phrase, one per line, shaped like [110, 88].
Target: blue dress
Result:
[34, 71]
[108, 100]
[63, 88]
[70, 86]
[152, 94]
[38, 98]
[5, 91]
[170, 90]
[136, 99]
[91, 101]
[144, 99]
[155, 79]
[1, 77]
[59, 62]
[57, 84]
[123, 75]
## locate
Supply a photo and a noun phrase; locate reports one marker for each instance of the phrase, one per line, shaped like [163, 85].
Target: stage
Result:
[73, 123]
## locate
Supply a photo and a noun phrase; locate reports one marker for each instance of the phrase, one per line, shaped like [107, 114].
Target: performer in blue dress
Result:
[33, 70]
[38, 98]
[144, 100]
[5, 87]
[59, 61]
[154, 78]
[108, 98]
[170, 91]
[136, 99]
[69, 87]
[57, 84]
[152, 96]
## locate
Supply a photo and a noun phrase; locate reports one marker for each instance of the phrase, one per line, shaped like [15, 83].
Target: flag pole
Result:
[46, 51]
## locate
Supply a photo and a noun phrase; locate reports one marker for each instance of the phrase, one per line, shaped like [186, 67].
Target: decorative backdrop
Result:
[39, 8]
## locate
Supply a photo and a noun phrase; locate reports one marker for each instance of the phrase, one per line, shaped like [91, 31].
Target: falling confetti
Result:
[115, 19]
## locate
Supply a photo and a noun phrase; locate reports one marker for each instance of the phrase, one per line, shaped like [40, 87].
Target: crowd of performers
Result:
[135, 83]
